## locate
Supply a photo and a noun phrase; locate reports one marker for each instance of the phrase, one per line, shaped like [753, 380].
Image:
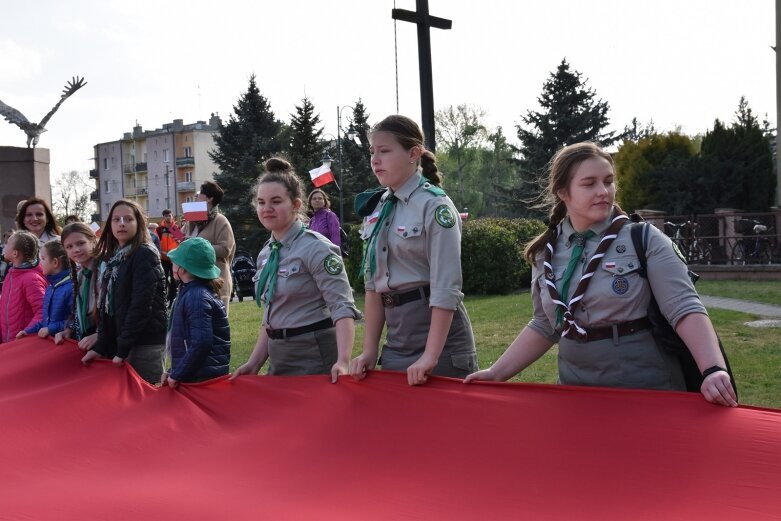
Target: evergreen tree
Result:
[741, 162]
[498, 168]
[306, 149]
[251, 136]
[570, 113]
[357, 175]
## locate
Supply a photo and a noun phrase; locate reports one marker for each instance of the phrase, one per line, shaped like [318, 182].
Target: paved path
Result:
[755, 308]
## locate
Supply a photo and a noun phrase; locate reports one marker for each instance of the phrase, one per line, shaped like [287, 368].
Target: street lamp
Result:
[351, 134]
[168, 189]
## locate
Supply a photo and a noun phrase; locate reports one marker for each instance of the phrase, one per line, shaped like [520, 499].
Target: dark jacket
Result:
[139, 306]
[200, 334]
[57, 303]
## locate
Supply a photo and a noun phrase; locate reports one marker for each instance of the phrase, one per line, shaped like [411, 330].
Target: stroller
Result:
[243, 271]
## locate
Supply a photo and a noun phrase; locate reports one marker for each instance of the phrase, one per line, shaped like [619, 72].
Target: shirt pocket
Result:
[405, 239]
[620, 277]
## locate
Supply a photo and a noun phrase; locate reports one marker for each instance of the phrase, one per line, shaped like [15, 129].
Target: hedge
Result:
[491, 255]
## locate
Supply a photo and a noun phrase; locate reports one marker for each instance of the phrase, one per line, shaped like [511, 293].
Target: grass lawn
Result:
[755, 354]
[765, 291]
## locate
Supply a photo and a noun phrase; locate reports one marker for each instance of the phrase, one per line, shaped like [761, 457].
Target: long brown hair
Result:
[409, 135]
[85, 230]
[108, 244]
[52, 228]
[560, 171]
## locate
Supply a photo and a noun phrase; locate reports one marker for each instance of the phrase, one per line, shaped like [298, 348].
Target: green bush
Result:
[353, 261]
[492, 254]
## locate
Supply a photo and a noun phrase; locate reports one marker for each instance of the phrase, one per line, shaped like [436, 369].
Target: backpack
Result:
[663, 332]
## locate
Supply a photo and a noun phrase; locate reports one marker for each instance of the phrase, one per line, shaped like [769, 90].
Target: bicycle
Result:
[684, 235]
[754, 246]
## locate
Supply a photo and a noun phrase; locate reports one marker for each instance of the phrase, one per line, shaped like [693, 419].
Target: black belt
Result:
[278, 334]
[617, 330]
[390, 300]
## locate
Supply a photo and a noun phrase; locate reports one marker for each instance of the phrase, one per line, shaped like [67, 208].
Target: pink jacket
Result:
[21, 302]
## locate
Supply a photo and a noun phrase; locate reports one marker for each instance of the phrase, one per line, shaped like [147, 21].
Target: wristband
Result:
[715, 369]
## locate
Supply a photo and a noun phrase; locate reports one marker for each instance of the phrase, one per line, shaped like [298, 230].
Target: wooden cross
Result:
[424, 22]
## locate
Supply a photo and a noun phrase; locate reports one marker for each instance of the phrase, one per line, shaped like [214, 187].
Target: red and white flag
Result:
[321, 175]
[196, 211]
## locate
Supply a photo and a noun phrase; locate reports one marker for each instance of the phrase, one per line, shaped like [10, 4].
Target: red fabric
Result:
[98, 443]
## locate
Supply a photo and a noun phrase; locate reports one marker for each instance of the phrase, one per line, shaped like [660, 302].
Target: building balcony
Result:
[128, 169]
[185, 186]
[94, 173]
[185, 161]
[95, 195]
[133, 191]
[140, 167]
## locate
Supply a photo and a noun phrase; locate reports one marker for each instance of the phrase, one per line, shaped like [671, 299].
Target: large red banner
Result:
[98, 443]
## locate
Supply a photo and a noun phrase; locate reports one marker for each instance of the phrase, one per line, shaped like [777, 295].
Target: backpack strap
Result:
[639, 237]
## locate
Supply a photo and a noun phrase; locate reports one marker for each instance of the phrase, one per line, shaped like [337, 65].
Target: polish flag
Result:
[196, 211]
[321, 176]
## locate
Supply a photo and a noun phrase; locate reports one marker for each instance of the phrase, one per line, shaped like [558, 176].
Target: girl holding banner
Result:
[308, 324]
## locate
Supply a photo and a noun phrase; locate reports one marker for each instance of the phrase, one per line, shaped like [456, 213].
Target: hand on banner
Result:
[118, 361]
[717, 388]
[360, 364]
[486, 375]
[60, 337]
[339, 368]
[43, 332]
[249, 369]
[417, 373]
[89, 357]
[88, 342]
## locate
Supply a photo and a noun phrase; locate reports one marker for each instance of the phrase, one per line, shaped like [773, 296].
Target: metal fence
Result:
[730, 238]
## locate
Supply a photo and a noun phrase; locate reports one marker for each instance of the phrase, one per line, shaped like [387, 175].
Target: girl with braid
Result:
[590, 297]
[412, 265]
[80, 242]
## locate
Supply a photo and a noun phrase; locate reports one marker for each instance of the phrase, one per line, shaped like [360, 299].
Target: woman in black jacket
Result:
[132, 316]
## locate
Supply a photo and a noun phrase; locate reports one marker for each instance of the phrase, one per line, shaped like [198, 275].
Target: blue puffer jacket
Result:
[57, 304]
[200, 334]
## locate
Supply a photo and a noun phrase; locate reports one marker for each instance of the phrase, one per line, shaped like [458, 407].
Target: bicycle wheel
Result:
[765, 254]
[738, 254]
[696, 252]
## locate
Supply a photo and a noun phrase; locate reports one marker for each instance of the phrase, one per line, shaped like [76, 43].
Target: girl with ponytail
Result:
[412, 263]
[590, 295]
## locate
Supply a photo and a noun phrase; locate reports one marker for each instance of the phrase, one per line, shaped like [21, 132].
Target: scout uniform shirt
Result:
[617, 293]
[311, 282]
[420, 245]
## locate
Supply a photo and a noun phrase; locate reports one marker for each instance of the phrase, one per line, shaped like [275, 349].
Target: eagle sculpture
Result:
[34, 130]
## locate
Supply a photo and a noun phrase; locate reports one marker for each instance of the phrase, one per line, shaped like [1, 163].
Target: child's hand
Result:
[89, 357]
[60, 337]
[43, 332]
[21, 333]
[118, 361]
[88, 342]
[173, 384]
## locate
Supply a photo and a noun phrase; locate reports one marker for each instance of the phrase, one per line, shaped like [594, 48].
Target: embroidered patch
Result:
[444, 216]
[620, 248]
[679, 253]
[620, 285]
[610, 265]
[333, 264]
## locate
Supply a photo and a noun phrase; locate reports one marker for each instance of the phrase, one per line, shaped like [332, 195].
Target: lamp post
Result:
[168, 189]
[351, 133]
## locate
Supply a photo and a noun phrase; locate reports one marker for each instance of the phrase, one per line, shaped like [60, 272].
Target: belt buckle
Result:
[387, 300]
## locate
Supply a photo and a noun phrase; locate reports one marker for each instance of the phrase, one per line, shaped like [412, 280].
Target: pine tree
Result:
[570, 113]
[306, 149]
[251, 136]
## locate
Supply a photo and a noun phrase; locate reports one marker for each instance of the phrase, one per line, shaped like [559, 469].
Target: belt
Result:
[390, 300]
[278, 334]
[617, 330]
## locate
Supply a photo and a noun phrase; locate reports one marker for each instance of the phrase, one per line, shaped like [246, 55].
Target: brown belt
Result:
[278, 334]
[617, 330]
[390, 300]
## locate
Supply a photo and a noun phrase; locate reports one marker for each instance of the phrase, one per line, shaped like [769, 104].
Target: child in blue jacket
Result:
[198, 332]
[58, 299]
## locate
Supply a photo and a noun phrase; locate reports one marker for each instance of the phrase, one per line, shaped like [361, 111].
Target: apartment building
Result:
[158, 169]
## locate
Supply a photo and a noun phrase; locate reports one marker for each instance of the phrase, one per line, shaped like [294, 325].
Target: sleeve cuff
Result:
[445, 298]
[546, 332]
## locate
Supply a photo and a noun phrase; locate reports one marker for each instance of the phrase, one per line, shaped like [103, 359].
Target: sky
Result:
[680, 63]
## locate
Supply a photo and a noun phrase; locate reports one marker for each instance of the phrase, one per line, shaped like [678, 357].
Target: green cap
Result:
[196, 255]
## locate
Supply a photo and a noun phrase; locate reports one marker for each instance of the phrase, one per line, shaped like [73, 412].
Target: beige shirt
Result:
[420, 244]
[617, 293]
[312, 284]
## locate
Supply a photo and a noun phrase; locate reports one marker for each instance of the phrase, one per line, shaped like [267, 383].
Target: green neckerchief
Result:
[268, 275]
[580, 243]
[370, 249]
[82, 306]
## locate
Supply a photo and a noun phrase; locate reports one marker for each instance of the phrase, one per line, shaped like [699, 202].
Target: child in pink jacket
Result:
[21, 302]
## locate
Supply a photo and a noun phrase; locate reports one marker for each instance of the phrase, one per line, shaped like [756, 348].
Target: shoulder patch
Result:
[333, 264]
[679, 253]
[444, 216]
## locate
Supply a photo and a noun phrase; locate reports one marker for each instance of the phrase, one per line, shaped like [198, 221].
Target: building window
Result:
[113, 161]
[105, 163]
[188, 152]
[155, 155]
[108, 208]
[108, 187]
[188, 177]
[157, 204]
[157, 180]
[165, 156]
